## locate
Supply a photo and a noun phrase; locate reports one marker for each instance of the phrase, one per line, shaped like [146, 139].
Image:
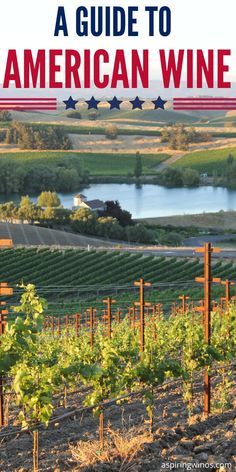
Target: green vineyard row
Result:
[77, 268]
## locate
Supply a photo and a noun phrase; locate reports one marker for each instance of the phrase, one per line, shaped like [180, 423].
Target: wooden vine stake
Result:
[207, 281]
[108, 301]
[227, 299]
[142, 304]
[184, 299]
[101, 429]
[4, 290]
[36, 451]
[91, 311]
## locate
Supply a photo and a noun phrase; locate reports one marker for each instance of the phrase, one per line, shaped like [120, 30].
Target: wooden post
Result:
[142, 304]
[77, 324]
[67, 325]
[53, 325]
[118, 316]
[101, 429]
[207, 281]
[4, 290]
[184, 299]
[36, 451]
[108, 301]
[91, 326]
[227, 284]
[59, 326]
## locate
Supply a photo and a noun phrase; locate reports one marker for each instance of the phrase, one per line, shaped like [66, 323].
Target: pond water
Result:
[154, 200]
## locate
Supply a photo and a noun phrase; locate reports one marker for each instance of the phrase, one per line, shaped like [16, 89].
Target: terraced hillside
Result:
[27, 235]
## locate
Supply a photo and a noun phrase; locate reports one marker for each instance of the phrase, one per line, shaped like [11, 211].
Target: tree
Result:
[84, 221]
[5, 115]
[109, 227]
[28, 213]
[93, 115]
[171, 177]
[111, 132]
[230, 160]
[48, 199]
[114, 209]
[8, 212]
[25, 201]
[74, 115]
[179, 137]
[231, 176]
[140, 234]
[138, 169]
[190, 177]
[37, 137]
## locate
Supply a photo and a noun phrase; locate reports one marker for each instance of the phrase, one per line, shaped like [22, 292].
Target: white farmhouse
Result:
[81, 201]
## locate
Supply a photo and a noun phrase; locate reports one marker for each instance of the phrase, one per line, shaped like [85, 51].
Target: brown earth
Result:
[177, 438]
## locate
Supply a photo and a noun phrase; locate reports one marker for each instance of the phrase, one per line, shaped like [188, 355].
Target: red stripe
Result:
[216, 102]
[26, 103]
[204, 99]
[205, 108]
[27, 108]
[28, 99]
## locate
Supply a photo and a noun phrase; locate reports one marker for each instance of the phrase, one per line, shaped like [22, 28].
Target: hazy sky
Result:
[196, 24]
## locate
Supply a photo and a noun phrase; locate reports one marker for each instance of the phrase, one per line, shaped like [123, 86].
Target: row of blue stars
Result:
[115, 103]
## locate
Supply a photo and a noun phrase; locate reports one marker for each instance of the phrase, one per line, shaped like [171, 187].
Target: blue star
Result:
[159, 103]
[70, 103]
[115, 103]
[137, 103]
[92, 103]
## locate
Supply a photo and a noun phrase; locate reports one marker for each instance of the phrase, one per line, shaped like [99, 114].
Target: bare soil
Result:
[177, 438]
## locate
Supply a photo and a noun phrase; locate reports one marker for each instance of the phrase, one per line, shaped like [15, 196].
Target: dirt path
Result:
[169, 161]
[212, 145]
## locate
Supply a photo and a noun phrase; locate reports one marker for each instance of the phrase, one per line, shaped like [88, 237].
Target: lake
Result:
[154, 200]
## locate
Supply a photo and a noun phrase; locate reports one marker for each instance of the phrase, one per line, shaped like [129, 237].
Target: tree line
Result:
[28, 137]
[27, 176]
[113, 223]
[179, 137]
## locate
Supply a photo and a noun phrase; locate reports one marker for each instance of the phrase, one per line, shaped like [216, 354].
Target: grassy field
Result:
[146, 115]
[206, 161]
[222, 220]
[98, 164]
[96, 130]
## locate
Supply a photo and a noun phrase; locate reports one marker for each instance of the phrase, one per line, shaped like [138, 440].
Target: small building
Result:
[78, 199]
[81, 201]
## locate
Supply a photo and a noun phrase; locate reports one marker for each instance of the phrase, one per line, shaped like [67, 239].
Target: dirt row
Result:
[177, 437]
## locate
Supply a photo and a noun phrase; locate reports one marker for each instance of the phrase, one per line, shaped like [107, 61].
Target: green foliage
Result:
[206, 161]
[5, 115]
[138, 168]
[171, 177]
[81, 267]
[25, 201]
[33, 172]
[74, 114]
[27, 137]
[179, 137]
[87, 222]
[190, 178]
[40, 365]
[114, 209]
[93, 115]
[48, 199]
[111, 132]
